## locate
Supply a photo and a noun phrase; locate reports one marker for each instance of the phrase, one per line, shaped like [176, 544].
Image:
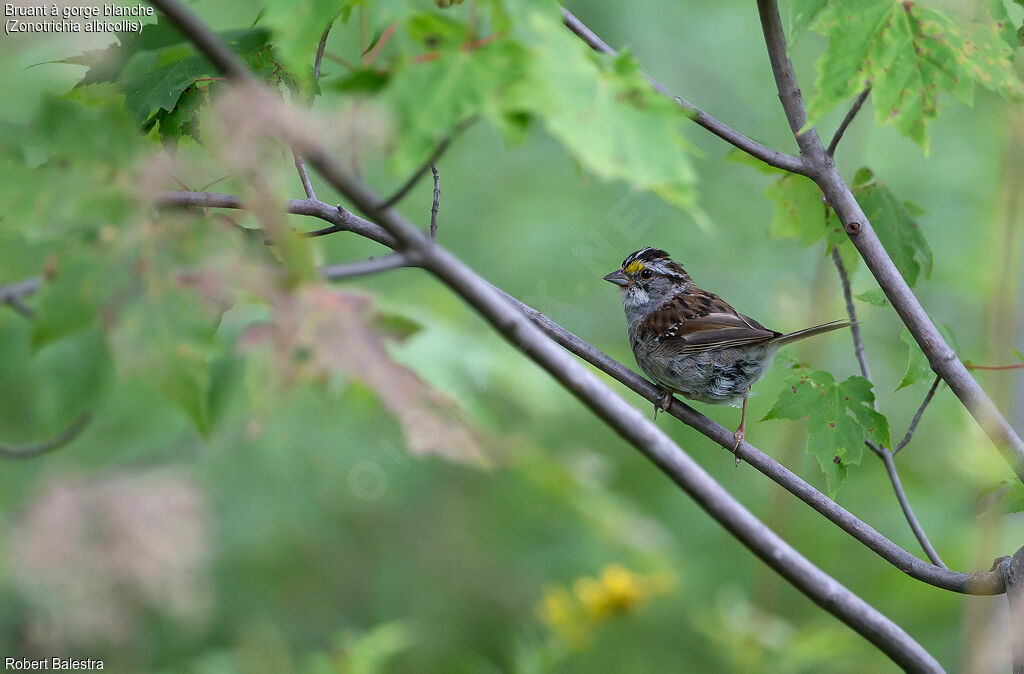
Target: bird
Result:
[692, 342]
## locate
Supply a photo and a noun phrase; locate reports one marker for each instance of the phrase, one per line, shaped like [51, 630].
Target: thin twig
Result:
[307, 186]
[300, 166]
[320, 49]
[854, 109]
[441, 148]
[851, 311]
[19, 289]
[786, 162]
[338, 272]
[342, 220]
[341, 61]
[908, 512]
[1014, 366]
[59, 440]
[821, 168]
[13, 295]
[437, 201]
[368, 57]
[917, 416]
[20, 307]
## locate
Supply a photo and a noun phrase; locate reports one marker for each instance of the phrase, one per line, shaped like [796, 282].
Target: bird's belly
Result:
[719, 376]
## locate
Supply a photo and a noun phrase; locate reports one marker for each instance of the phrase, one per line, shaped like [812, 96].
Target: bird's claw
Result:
[663, 404]
[738, 437]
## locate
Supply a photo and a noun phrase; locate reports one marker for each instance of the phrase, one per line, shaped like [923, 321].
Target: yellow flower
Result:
[617, 591]
[561, 614]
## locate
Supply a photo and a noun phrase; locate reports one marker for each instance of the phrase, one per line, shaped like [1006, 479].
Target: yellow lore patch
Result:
[634, 267]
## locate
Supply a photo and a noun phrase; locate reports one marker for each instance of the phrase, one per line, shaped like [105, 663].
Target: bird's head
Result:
[649, 275]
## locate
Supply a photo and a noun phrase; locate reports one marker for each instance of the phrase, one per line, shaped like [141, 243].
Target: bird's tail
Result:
[810, 332]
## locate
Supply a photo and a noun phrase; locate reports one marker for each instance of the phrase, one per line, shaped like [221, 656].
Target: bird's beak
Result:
[618, 278]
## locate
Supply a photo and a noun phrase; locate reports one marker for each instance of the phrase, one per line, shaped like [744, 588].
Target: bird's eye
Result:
[646, 273]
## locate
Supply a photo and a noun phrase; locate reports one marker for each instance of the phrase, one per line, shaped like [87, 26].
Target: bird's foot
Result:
[738, 437]
[663, 404]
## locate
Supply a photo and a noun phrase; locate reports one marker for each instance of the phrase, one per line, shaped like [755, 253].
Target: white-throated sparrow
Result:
[690, 341]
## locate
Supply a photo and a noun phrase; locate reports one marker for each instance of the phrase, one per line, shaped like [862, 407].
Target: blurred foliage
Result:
[285, 476]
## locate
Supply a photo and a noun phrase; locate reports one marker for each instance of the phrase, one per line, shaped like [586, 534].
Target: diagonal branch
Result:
[822, 170]
[13, 295]
[341, 219]
[890, 467]
[438, 152]
[56, 442]
[786, 162]
[917, 416]
[318, 60]
[854, 109]
[627, 421]
[337, 272]
[300, 166]
[851, 311]
[437, 201]
[968, 583]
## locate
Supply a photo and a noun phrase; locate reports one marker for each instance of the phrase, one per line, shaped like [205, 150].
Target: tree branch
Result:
[851, 311]
[821, 168]
[300, 166]
[307, 186]
[1012, 570]
[998, 368]
[781, 160]
[59, 440]
[854, 109]
[343, 220]
[437, 201]
[320, 49]
[438, 152]
[13, 295]
[894, 477]
[337, 272]
[616, 413]
[968, 583]
[917, 415]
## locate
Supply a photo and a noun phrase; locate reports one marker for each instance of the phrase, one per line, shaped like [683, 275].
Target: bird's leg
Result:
[742, 430]
[663, 404]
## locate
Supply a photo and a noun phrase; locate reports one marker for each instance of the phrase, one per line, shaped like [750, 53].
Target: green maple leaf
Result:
[802, 14]
[429, 98]
[799, 212]
[874, 297]
[917, 363]
[894, 223]
[839, 417]
[603, 111]
[909, 52]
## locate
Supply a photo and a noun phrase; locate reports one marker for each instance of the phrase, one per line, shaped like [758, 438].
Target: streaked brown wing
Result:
[715, 330]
